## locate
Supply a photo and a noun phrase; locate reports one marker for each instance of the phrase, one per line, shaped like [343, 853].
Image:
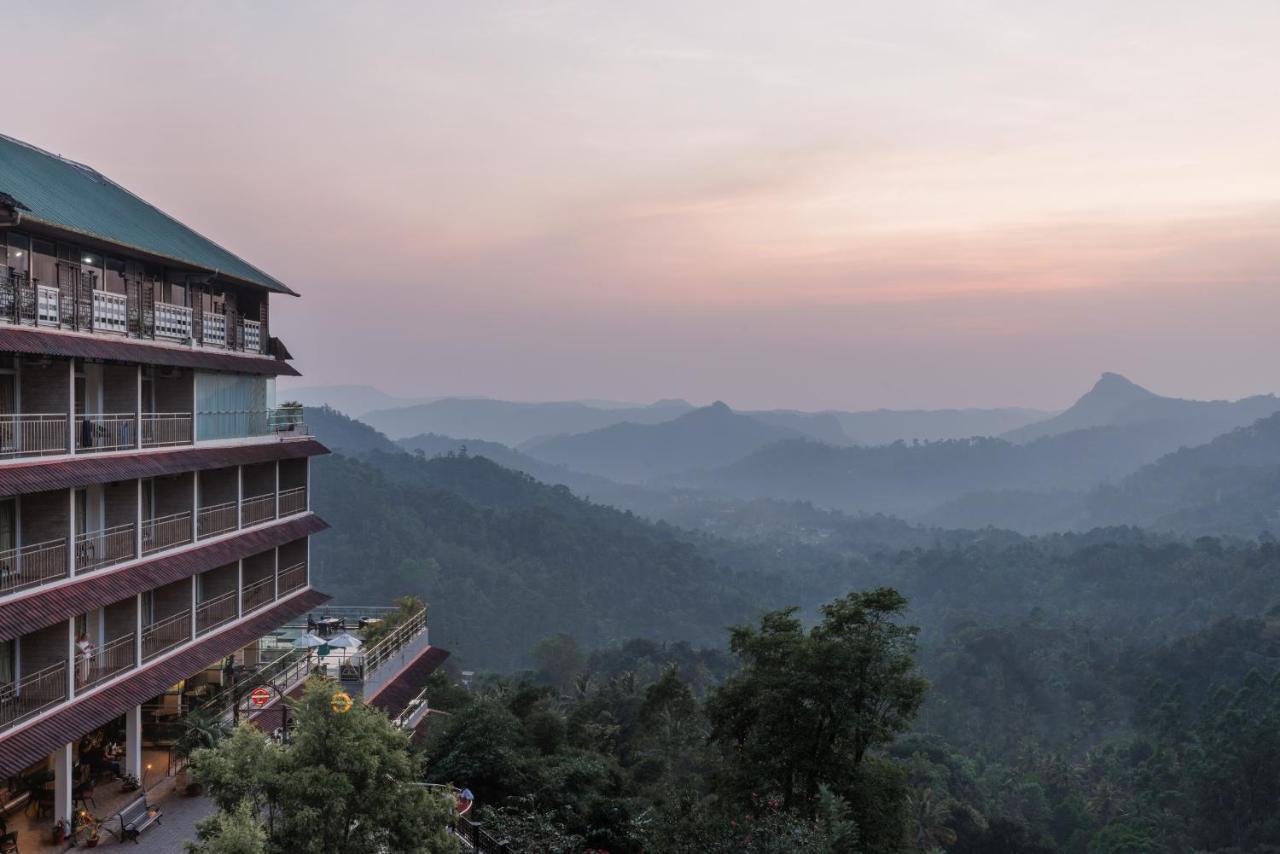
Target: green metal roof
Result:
[67, 195]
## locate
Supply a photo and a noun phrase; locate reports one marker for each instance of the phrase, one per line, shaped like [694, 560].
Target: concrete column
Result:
[276, 573]
[73, 658]
[194, 588]
[137, 638]
[239, 497]
[71, 406]
[71, 532]
[277, 505]
[63, 784]
[137, 546]
[195, 505]
[137, 410]
[307, 481]
[240, 588]
[133, 741]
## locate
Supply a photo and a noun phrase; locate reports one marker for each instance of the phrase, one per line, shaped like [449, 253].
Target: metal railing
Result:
[259, 593]
[216, 611]
[106, 432]
[173, 321]
[253, 336]
[215, 329]
[285, 671]
[107, 547]
[110, 312]
[112, 657]
[476, 839]
[165, 532]
[292, 578]
[293, 500]
[216, 519]
[258, 509]
[33, 435]
[33, 565]
[48, 306]
[32, 694]
[387, 649]
[166, 428]
[213, 424]
[165, 634]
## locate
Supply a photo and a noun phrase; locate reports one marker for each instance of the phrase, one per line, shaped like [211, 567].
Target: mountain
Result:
[1230, 485]
[355, 399]
[504, 560]
[819, 426]
[914, 480]
[1115, 401]
[711, 436]
[884, 426]
[342, 433]
[513, 423]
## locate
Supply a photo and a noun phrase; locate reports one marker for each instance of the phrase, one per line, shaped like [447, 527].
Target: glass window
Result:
[44, 262]
[91, 263]
[231, 406]
[113, 275]
[19, 252]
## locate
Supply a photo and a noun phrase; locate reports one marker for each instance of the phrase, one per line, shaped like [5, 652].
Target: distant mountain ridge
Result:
[712, 436]
[1116, 401]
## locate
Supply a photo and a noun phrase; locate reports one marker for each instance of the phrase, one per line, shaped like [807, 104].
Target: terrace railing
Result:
[110, 312]
[258, 509]
[165, 634]
[160, 429]
[215, 329]
[106, 432]
[33, 565]
[33, 435]
[217, 519]
[113, 657]
[173, 321]
[292, 578]
[249, 423]
[166, 532]
[33, 694]
[252, 336]
[217, 611]
[107, 547]
[258, 593]
[293, 501]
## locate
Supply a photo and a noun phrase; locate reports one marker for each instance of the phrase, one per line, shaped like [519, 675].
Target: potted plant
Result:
[129, 783]
[59, 831]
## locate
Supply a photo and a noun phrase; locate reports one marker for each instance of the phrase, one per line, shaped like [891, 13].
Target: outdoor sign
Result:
[259, 696]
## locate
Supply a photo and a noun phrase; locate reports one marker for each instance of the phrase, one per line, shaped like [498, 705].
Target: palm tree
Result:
[929, 817]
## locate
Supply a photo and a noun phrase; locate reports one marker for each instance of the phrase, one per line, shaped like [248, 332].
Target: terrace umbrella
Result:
[346, 640]
[308, 641]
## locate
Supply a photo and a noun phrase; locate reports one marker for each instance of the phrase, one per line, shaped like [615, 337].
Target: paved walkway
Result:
[178, 825]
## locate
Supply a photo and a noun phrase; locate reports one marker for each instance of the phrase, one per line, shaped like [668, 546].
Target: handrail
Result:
[165, 532]
[32, 694]
[377, 654]
[33, 434]
[258, 508]
[166, 428]
[213, 608]
[159, 638]
[293, 500]
[216, 519]
[33, 565]
[249, 601]
[262, 674]
[105, 431]
[104, 547]
[286, 575]
[105, 662]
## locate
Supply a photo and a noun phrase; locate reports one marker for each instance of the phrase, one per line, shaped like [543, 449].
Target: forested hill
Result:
[505, 561]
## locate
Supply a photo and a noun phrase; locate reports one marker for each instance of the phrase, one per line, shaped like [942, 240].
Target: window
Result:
[19, 252]
[6, 662]
[232, 406]
[44, 262]
[113, 275]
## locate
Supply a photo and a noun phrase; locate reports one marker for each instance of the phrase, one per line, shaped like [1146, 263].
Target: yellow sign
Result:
[341, 702]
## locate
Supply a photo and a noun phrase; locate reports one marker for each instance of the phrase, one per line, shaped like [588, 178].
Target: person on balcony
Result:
[85, 648]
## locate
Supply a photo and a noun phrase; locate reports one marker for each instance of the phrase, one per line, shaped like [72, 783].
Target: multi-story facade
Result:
[154, 499]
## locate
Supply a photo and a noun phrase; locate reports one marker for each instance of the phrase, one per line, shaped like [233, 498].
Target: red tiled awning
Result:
[47, 342]
[20, 749]
[42, 608]
[397, 693]
[38, 476]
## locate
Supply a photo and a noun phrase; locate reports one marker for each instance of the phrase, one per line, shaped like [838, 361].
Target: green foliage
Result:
[239, 831]
[345, 782]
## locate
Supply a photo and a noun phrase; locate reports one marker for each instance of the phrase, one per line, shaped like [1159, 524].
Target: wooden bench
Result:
[137, 817]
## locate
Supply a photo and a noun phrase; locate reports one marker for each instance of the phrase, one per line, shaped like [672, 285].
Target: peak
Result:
[1114, 385]
[719, 406]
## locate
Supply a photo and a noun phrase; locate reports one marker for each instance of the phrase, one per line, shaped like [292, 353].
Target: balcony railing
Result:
[165, 634]
[258, 593]
[293, 500]
[258, 509]
[101, 664]
[293, 578]
[252, 336]
[33, 565]
[33, 435]
[166, 532]
[173, 321]
[161, 429]
[216, 611]
[106, 432]
[96, 549]
[33, 694]
[48, 306]
[216, 519]
[215, 329]
[110, 312]
[249, 423]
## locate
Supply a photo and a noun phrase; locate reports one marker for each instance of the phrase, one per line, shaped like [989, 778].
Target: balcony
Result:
[259, 593]
[217, 611]
[293, 501]
[166, 532]
[33, 694]
[217, 519]
[33, 435]
[166, 634]
[221, 424]
[81, 306]
[292, 578]
[31, 566]
[166, 429]
[102, 664]
[107, 547]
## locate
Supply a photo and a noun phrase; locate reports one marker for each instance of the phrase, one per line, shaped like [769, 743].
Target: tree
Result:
[559, 660]
[347, 781]
[239, 831]
[806, 707]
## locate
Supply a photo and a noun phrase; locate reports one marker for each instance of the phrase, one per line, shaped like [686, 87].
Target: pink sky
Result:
[807, 204]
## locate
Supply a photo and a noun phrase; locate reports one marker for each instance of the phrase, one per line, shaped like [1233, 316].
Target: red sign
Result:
[259, 696]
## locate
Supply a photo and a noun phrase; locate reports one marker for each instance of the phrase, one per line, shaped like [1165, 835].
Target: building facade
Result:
[154, 495]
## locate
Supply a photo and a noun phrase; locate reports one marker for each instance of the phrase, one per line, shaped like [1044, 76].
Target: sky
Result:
[807, 204]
